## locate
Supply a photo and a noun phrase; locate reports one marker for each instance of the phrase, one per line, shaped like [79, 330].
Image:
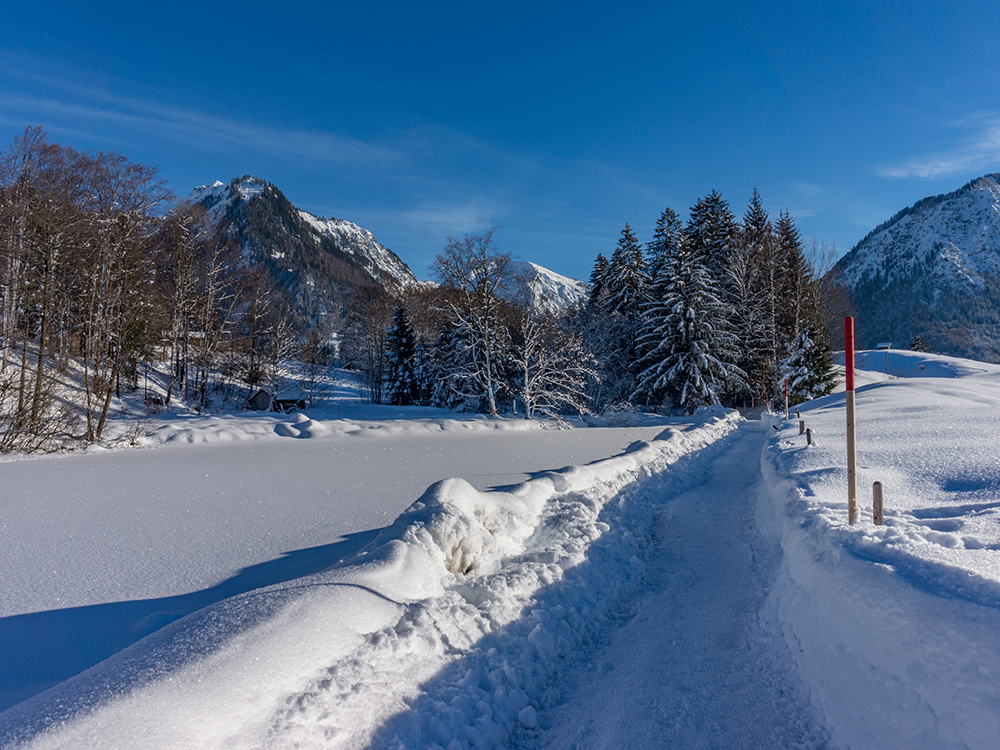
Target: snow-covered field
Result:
[309, 581]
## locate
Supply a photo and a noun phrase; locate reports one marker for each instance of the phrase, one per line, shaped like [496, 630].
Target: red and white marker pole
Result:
[852, 459]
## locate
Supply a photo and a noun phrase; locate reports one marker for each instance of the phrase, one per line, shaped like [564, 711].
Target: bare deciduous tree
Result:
[475, 269]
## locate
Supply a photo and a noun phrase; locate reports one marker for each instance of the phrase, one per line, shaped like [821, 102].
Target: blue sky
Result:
[558, 122]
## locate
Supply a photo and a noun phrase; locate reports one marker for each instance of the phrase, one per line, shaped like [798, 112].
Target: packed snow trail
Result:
[694, 667]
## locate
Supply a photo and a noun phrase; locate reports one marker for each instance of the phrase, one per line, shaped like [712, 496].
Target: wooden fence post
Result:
[877, 503]
[802, 426]
[852, 460]
[809, 436]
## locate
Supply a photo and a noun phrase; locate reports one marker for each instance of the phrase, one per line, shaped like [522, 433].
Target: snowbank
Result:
[895, 627]
[331, 658]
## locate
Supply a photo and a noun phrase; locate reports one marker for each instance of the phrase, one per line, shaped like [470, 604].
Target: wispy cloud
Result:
[439, 218]
[466, 217]
[978, 152]
[804, 199]
[188, 127]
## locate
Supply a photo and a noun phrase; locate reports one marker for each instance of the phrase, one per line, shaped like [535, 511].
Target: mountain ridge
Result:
[319, 262]
[932, 269]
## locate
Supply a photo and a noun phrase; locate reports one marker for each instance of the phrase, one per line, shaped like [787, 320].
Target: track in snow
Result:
[694, 666]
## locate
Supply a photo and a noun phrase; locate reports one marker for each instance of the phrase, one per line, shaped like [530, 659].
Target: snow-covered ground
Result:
[895, 628]
[306, 581]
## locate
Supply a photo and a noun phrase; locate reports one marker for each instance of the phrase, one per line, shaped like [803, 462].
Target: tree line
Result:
[101, 271]
[714, 311]
[480, 340]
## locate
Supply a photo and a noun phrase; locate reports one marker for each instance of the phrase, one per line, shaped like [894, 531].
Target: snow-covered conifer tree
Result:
[424, 373]
[690, 349]
[627, 277]
[808, 367]
[598, 279]
[447, 357]
[799, 303]
[399, 379]
[753, 294]
[711, 230]
[666, 237]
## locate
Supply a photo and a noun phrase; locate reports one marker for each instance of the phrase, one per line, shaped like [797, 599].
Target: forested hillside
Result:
[932, 270]
[320, 263]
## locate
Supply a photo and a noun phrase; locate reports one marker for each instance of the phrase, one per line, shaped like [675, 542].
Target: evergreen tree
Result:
[666, 237]
[753, 294]
[447, 360]
[654, 344]
[400, 382]
[800, 306]
[598, 279]
[712, 232]
[808, 367]
[918, 344]
[627, 277]
[690, 349]
[424, 373]
[614, 317]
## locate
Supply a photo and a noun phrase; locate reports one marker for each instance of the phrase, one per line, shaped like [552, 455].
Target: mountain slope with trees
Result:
[932, 270]
[319, 262]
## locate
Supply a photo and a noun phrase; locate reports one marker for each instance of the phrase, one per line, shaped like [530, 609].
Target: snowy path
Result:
[693, 667]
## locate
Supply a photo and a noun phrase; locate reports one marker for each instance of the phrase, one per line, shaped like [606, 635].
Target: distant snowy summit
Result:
[933, 269]
[955, 237]
[270, 226]
[551, 291]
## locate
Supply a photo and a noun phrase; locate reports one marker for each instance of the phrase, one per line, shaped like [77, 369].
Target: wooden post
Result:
[802, 426]
[877, 503]
[852, 459]
[809, 436]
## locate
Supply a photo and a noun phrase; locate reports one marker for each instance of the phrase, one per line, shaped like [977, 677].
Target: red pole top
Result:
[849, 351]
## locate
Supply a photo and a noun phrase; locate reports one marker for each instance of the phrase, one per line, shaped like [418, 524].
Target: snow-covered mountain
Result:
[320, 261]
[933, 269]
[551, 291]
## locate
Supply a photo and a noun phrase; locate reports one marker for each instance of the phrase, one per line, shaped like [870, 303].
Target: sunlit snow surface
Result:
[895, 627]
[292, 593]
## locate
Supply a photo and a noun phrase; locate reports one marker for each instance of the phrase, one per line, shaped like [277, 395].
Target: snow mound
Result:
[903, 363]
